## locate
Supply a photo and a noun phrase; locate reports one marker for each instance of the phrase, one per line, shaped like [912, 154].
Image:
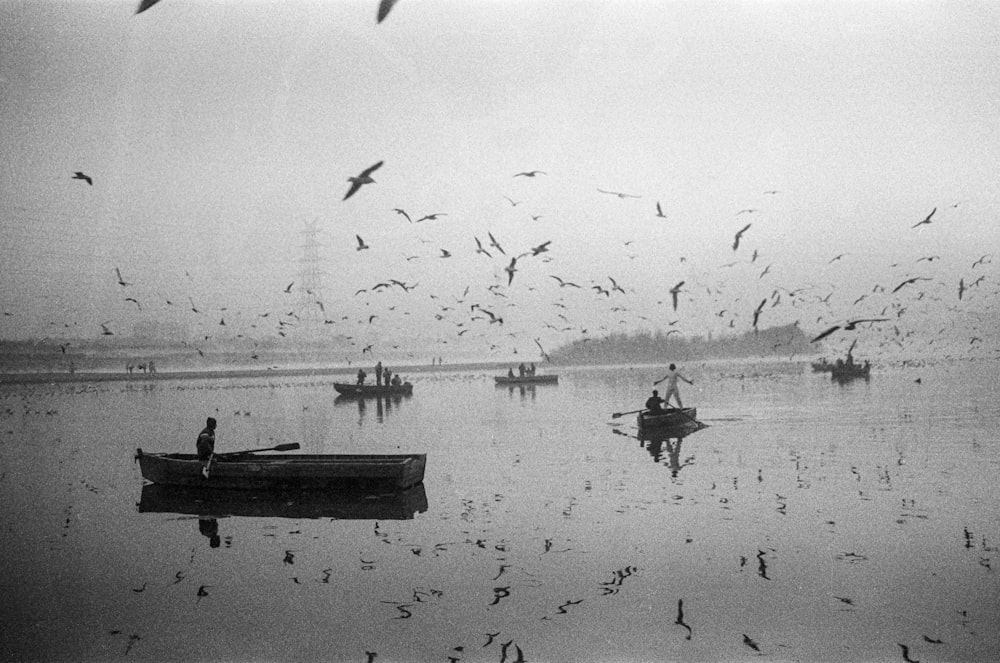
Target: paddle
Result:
[281, 447]
[622, 414]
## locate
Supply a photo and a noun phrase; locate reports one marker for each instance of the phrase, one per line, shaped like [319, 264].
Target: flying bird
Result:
[363, 178]
[494, 243]
[104, 329]
[121, 281]
[746, 211]
[961, 288]
[86, 178]
[530, 173]
[748, 641]
[399, 211]
[736, 240]
[288, 288]
[541, 248]
[926, 220]
[480, 249]
[756, 313]
[562, 283]
[621, 195]
[510, 269]
[659, 211]
[361, 244]
[445, 253]
[384, 7]
[674, 292]
[909, 281]
[430, 217]
[144, 5]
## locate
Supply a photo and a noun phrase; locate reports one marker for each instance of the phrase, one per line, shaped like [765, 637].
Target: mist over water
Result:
[808, 521]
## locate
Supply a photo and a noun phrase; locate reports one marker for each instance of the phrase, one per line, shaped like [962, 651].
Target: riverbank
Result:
[346, 373]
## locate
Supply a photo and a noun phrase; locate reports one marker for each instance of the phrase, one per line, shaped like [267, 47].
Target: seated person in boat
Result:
[396, 381]
[510, 372]
[654, 403]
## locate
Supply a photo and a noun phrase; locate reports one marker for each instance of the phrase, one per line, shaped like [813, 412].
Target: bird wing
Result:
[826, 333]
[355, 185]
[371, 169]
[384, 8]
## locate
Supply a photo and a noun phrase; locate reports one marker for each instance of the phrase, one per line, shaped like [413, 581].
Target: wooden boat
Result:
[526, 379]
[339, 505]
[850, 371]
[669, 418]
[287, 471]
[363, 390]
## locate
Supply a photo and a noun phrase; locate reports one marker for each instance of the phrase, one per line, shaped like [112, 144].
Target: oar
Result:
[281, 447]
[291, 446]
[622, 414]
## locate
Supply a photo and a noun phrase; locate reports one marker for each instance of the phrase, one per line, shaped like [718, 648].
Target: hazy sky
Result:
[215, 132]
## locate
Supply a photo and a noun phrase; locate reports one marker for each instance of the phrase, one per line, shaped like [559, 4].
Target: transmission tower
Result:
[311, 304]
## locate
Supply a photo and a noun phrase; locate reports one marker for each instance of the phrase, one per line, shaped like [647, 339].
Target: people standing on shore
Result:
[672, 377]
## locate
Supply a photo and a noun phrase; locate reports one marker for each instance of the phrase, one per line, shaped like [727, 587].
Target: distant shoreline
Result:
[348, 373]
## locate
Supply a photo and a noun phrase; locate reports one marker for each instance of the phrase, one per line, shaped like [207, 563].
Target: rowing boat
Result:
[671, 418]
[362, 390]
[526, 379]
[286, 472]
[850, 371]
[338, 505]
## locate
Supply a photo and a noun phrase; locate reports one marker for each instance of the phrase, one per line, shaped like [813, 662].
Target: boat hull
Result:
[527, 379]
[364, 390]
[286, 472]
[851, 372]
[675, 418]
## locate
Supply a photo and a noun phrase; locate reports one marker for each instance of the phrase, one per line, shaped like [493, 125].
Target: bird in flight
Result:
[288, 288]
[361, 244]
[563, 284]
[909, 281]
[480, 249]
[363, 178]
[746, 211]
[104, 329]
[384, 7]
[530, 173]
[513, 203]
[445, 253]
[659, 211]
[621, 195]
[510, 269]
[430, 217]
[81, 176]
[736, 240]
[961, 288]
[756, 313]
[121, 281]
[927, 219]
[541, 248]
[494, 243]
[674, 292]
[399, 211]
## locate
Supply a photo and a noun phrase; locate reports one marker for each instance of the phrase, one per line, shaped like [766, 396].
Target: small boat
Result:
[526, 379]
[850, 371]
[250, 471]
[362, 390]
[670, 418]
[339, 505]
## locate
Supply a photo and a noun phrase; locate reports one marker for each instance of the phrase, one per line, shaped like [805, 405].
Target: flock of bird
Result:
[486, 312]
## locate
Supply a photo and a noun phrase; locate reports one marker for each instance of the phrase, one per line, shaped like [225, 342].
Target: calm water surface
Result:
[809, 521]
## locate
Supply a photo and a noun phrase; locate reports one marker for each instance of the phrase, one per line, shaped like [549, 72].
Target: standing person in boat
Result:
[361, 376]
[386, 376]
[206, 443]
[654, 403]
[510, 373]
[378, 374]
[672, 377]
[531, 371]
[521, 369]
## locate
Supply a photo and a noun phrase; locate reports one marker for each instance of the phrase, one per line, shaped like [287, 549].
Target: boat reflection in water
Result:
[383, 404]
[668, 441]
[210, 504]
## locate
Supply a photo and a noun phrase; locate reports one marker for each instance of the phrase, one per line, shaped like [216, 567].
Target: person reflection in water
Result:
[209, 527]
